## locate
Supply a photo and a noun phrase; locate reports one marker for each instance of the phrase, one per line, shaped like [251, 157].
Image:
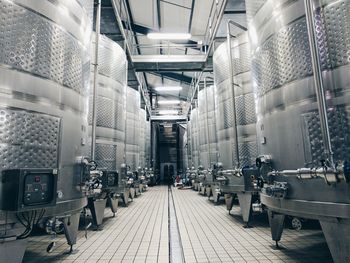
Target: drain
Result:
[176, 254]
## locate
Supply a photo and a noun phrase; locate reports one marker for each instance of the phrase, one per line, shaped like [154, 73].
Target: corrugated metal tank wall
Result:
[110, 111]
[132, 151]
[288, 119]
[45, 55]
[207, 126]
[244, 102]
[194, 138]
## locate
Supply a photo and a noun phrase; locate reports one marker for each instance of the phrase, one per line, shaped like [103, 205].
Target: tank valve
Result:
[277, 190]
[257, 207]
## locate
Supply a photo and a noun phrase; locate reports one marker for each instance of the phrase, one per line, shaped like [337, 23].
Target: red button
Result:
[37, 179]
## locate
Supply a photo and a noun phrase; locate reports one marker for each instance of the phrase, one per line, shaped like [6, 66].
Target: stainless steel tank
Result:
[110, 123]
[207, 135]
[194, 138]
[44, 79]
[240, 86]
[207, 126]
[148, 145]
[142, 138]
[244, 101]
[111, 106]
[132, 128]
[289, 123]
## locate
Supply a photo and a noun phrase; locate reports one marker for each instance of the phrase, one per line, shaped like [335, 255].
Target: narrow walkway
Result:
[140, 233]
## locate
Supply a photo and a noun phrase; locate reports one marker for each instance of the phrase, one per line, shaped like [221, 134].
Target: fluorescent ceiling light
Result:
[170, 88]
[168, 112]
[169, 36]
[168, 102]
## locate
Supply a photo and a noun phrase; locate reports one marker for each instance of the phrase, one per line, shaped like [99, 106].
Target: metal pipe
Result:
[319, 87]
[228, 32]
[94, 88]
[207, 117]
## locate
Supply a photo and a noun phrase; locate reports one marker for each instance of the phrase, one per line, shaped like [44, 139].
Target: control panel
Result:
[28, 189]
[109, 179]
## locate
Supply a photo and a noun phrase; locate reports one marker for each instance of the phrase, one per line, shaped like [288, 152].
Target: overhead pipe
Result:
[228, 32]
[94, 88]
[318, 80]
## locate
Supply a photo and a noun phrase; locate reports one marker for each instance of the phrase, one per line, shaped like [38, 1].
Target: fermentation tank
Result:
[207, 135]
[148, 145]
[237, 181]
[110, 103]
[207, 126]
[132, 129]
[142, 139]
[44, 78]
[244, 102]
[194, 148]
[293, 125]
[194, 138]
[110, 119]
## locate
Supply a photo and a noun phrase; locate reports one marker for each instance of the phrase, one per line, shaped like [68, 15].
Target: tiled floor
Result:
[139, 233]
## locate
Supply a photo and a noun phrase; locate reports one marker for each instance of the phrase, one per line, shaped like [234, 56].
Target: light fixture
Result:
[169, 36]
[169, 88]
[168, 112]
[168, 102]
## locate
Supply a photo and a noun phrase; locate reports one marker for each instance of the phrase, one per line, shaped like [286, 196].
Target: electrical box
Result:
[109, 179]
[28, 189]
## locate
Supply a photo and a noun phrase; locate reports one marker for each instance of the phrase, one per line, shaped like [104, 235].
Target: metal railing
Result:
[133, 47]
[123, 18]
[216, 13]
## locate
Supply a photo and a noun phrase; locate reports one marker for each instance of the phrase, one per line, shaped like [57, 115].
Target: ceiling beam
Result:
[235, 12]
[173, 76]
[174, 4]
[191, 16]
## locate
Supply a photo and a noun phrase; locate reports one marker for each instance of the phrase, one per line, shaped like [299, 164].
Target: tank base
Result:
[202, 190]
[113, 204]
[216, 195]
[229, 201]
[245, 203]
[71, 225]
[276, 224]
[337, 236]
[132, 193]
[124, 196]
[137, 191]
[97, 208]
[208, 191]
[12, 251]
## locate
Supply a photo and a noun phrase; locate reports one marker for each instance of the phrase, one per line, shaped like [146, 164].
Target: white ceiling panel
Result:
[144, 13]
[174, 18]
[200, 17]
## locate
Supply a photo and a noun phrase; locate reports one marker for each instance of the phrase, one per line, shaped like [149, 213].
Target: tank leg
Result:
[229, 201]
[216, 196]
[125, 197]
[338, 239]
[132, 193]
[13, 251]
[97, 208]
[71, 225]
[245, 202]
[208, 192]
[113, 204]
[276, 225]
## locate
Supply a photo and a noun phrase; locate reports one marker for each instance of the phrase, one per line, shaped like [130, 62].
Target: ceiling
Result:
[168, 16]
